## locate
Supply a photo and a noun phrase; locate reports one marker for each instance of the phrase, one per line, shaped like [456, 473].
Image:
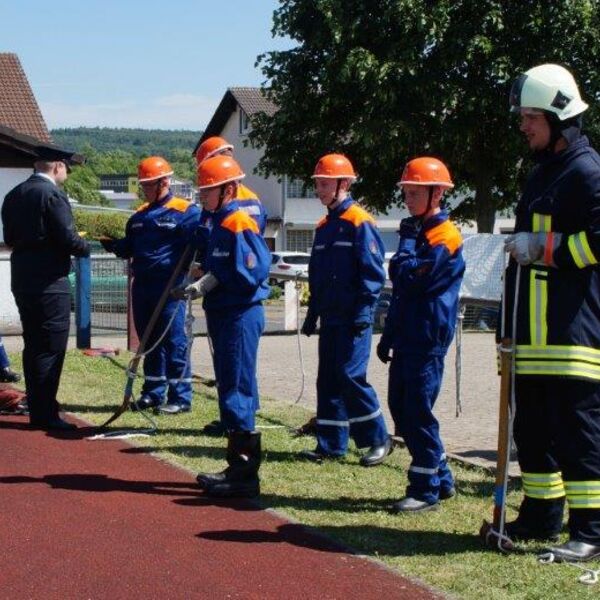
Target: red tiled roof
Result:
[18, 107]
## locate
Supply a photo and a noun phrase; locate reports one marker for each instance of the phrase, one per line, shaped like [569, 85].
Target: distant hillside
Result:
[141, 142]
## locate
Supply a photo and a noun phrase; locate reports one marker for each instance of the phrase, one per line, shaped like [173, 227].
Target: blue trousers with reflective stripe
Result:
[165, 366]
[414, 385]
[4, 362]
[235, 334]
[346, 404]
[557, 428]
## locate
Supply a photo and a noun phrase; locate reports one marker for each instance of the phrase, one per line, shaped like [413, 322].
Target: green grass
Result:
[341, 499]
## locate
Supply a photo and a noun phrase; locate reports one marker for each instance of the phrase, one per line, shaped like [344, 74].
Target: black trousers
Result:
[45, 319]
[557, 430]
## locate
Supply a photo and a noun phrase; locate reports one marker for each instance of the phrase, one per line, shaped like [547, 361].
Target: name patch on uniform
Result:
[373, 247]
[251, 260]
[166, 222]
[137, 225]
[220, 253]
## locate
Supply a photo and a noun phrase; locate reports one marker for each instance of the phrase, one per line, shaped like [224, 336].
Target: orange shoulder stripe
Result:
[239, 221]
[142, 207]
[178, 204]
[357, 216]
[322, 221]
[245, 193]
[445, 234]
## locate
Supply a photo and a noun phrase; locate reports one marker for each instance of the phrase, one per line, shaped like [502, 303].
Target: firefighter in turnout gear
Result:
[426, 273]
[233, 284]
[155, 237]
[555, 250]
[346, 275]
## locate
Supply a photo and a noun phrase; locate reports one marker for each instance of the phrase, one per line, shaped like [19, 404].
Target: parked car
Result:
[288, 263]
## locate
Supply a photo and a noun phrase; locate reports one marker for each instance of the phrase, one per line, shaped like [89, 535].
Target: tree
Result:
[385, 81]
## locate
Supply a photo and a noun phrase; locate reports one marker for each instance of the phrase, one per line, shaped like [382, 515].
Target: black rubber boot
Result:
[240, 478]
[538, 520]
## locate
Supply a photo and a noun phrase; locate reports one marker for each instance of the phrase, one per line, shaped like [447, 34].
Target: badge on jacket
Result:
[251, 260]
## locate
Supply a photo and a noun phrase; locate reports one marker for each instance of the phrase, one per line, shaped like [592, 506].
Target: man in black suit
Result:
[38, 226]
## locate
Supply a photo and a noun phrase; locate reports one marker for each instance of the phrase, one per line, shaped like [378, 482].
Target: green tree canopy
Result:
[386, 81]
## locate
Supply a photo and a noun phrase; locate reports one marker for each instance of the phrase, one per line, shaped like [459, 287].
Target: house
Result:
[112, 185]
[22, 133]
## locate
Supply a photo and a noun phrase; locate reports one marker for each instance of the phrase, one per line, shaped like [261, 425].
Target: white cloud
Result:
[177, 111]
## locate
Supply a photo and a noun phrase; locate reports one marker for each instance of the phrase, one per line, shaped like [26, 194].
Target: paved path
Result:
[471, 436]
[80, 519]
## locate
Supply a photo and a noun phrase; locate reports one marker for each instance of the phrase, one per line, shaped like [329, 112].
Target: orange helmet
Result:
[218, 170]
[153, 167]
[426, 170]
[334, 166]
[210, 147]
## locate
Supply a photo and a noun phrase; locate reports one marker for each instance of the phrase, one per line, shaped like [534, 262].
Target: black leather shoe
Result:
[215, 428]
[56, 424]
[377, 454]
[316, 456]
[143, 403]
[574, 551]
[519, 532]
[7, 375]
[172, 409]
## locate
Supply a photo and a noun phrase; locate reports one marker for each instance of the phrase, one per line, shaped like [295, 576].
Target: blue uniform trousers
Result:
[414, 385]
[4, 362]
[235, 333]
[346, 404]
[167, 370]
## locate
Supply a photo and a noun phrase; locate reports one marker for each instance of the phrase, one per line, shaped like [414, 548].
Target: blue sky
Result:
[136, 63]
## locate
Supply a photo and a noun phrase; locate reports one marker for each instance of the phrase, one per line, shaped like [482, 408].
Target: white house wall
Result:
[269, 190]
[9, 178]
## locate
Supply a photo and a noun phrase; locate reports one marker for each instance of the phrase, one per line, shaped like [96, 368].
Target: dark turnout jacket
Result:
[38, 226]
[558, 310]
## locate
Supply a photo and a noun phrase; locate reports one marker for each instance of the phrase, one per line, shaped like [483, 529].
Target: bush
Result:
[100, 223]
[276, 292]
[304, 294]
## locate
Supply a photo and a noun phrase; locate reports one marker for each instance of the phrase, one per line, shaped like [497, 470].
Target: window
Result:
[296, 189]
[300, 240]
[244, 122]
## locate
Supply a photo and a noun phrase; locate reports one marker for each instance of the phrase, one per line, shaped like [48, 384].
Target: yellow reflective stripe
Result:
[583, 494]
[580, 250]
[543, 485]
[555, 351]
[541, 222]
[558, 369]
[542, 477]
[538, 303]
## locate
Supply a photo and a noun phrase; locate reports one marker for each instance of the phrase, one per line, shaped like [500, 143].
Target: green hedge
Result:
[100, 223]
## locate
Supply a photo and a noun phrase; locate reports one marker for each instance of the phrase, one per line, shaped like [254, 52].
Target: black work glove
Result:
[309, 326]
[383, 352]
[107, 243]
[360, 326]
[410, 227]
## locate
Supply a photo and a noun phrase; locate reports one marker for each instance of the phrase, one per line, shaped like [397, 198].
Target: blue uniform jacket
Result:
[156, 235]
[426, 274]
[345, 270]
[238, 257]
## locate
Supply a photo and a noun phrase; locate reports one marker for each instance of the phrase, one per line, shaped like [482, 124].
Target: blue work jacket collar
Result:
[435, 220]
[160, 203]
[569, 152]
[340, 208]
[225, 210]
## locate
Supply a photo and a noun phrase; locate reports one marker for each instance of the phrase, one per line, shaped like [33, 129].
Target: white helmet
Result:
[550, 88]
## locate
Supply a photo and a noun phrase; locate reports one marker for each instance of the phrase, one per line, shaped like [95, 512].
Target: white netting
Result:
[484, 260]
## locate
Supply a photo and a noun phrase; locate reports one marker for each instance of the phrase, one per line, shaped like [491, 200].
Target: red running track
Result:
[82, 519]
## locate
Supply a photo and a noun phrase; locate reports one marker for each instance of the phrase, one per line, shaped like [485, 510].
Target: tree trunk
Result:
[485, 206]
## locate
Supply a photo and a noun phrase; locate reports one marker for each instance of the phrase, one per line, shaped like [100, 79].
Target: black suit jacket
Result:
[38, 226]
